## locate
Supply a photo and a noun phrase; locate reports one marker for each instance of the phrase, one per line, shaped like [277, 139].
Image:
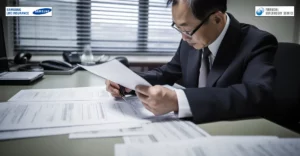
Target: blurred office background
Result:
[127, 27]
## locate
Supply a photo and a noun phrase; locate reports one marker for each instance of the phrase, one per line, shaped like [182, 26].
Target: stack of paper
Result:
[42, 112]
[215, 146]
[28, 115]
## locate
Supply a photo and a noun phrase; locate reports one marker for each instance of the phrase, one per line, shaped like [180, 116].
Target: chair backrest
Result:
[287, 83]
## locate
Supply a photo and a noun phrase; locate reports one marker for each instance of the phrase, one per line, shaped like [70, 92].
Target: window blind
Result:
[109, 26]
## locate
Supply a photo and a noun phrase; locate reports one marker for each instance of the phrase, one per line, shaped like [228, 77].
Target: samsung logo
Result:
[42, 11]
[29, 11]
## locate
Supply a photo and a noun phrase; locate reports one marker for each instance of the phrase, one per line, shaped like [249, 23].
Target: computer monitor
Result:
[3, 57]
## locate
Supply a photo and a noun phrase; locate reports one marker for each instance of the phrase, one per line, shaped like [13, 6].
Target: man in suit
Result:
[226, 66]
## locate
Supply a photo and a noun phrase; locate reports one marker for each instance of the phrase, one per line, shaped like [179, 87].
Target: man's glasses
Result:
[191, 33]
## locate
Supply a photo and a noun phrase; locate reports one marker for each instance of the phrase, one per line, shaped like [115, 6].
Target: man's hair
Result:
[201, 8]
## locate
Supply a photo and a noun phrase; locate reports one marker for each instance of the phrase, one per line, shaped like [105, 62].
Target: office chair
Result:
[286, 108]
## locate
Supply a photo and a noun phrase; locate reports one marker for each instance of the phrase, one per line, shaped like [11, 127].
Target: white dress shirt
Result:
[184, 109]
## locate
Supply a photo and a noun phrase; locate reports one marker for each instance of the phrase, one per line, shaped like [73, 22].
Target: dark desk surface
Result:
[61, 145]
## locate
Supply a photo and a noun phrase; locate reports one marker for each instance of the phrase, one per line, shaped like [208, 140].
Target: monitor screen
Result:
[3, 57]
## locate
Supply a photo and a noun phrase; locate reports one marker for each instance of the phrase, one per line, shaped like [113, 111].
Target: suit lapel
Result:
[193, 66]
[226, 52]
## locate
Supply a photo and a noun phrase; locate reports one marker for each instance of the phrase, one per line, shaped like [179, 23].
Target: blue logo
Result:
[42, 11]
[260, 11]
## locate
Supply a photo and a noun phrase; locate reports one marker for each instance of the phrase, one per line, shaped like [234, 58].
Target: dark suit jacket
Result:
[240, 81]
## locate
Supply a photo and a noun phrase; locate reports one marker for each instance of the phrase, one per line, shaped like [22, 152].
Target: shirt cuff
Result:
[184, 109]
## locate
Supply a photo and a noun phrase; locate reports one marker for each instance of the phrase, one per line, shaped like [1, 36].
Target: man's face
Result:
[187, 22]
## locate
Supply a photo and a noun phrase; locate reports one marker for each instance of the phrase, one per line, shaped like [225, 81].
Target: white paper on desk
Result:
[209, 146]
[167, 131]
[271, 147]
[21, 115]
[110, 133]
[288, 146]
[17, 134]
[118, 73]
[61, 94]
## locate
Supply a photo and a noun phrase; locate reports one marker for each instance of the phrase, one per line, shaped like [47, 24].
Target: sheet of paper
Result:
[289, 146]
[17, 134]
[146, 130]
[209, 146]
[167, 131]
[61, 94]
[155, 132]
[277, 147]
[118, 73]
[22, 115]
[139, 112]
[110, 133]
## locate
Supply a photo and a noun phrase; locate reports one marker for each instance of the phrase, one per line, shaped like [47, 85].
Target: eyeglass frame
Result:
[196, 29]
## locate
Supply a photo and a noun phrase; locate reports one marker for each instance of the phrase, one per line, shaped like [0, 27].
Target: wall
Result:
[281, 27]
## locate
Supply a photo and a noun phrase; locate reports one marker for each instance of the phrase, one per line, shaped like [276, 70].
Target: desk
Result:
[61, 146]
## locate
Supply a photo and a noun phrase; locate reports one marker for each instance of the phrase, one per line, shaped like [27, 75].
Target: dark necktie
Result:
[204, 68]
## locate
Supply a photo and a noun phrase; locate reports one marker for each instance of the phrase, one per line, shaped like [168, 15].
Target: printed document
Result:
[118, 73]
[61, 94]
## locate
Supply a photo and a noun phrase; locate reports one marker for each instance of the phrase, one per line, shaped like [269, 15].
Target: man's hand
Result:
[157, 99]
[113, 88]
